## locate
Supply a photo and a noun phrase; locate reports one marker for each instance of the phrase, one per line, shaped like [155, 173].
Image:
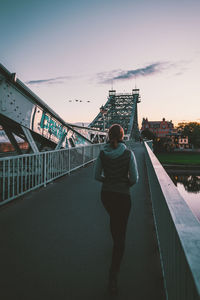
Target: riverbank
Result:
[184, 160]
[182, 169]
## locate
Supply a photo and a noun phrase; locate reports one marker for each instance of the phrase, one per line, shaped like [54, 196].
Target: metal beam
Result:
[30, 139]
[59, 145]
[12, 139]
[20, 105]
[121, 109]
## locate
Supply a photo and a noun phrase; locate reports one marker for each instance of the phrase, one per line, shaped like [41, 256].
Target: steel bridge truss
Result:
[24, 114]
[120, 109]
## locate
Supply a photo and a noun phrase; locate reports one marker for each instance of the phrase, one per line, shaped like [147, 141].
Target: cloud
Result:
[56, 80]
[119, 75]
[178, 74]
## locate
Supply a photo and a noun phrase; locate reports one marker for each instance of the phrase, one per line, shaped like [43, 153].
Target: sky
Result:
[65, 50]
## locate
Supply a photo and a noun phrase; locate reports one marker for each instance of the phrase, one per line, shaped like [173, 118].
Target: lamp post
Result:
[103, 111]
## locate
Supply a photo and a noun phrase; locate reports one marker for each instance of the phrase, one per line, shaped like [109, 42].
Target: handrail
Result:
[178, 233]
[43, 152]
[23, 173]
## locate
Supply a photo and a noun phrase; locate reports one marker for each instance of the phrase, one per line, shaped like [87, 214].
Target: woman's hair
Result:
[115, 134]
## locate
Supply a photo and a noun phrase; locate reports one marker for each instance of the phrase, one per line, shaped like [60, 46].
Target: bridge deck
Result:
[55, 243]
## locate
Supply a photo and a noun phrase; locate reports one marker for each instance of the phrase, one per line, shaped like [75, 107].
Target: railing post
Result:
[69, 161]
[45, 170]
[83, 152]
[4, 180]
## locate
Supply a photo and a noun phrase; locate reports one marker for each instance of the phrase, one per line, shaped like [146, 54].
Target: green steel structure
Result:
[120, 109]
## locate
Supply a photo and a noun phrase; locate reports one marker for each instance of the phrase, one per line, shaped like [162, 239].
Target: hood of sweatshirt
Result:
[114, 153]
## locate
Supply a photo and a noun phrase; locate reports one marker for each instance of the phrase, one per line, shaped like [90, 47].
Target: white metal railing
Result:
[23, 173]
[149, 143]
[178, 233]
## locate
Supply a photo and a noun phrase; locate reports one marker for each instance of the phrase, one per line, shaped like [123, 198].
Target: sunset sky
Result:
[66, 50]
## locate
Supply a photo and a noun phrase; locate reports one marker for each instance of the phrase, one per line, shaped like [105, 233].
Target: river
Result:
[188, 185]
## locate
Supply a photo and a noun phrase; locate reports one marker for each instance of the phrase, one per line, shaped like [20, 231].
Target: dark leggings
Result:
[118, 207]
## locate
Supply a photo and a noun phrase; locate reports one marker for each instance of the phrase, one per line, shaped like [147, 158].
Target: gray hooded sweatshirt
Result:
[114, 160]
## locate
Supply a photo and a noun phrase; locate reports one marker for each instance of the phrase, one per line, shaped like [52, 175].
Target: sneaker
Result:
[112, 285]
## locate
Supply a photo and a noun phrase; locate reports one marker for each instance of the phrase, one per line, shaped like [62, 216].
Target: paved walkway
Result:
[55, 243]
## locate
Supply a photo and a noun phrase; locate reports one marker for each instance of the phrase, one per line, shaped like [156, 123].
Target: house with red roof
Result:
[158, 128]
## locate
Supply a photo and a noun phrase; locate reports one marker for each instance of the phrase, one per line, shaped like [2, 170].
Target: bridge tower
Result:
[120, 109]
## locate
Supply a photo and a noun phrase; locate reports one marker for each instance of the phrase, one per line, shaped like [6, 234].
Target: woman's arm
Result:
[98, 170]
[133, 170]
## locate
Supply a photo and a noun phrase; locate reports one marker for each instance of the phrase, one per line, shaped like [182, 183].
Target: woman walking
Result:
[116, 167]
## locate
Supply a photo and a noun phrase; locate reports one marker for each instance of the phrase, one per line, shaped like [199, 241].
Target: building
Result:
[183, 142]
[158, 128]
[176, 140]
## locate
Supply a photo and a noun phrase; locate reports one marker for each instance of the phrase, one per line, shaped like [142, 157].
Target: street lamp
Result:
[103, 111]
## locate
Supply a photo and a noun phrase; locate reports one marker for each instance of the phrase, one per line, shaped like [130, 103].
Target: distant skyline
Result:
[67, 50]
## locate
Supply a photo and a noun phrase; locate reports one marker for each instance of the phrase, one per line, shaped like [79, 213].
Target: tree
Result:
[190, 182]
[146, 133]
[192, 130]
[161, 145]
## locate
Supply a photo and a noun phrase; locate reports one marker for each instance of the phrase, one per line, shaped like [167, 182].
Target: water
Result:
[189, 187]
